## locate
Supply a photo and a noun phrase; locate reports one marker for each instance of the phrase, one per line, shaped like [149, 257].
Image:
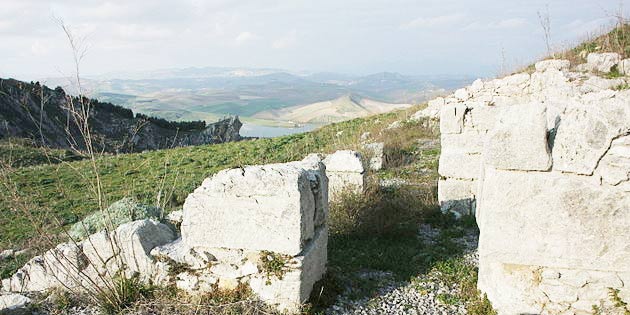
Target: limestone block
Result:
[456, 163]
[471, 142]
[602, 62]
[457, 196]
[345, 173]
[452, 118]
[596, 84]
[556, 64]
[614, 167]
[127, 248]
[14, 304]
[585, 133]
[58, 267]
[518, 140]
[268, 207]
[376, 153]
[481, 118]
[296, 285]
[462, 94]
[624, 67]
[523, 221]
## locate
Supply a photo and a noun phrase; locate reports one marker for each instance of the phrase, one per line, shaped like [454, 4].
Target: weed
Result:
[274, 264]
[124, 292]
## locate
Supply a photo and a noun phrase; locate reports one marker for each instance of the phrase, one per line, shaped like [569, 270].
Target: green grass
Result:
[21, 153]
[37, 197]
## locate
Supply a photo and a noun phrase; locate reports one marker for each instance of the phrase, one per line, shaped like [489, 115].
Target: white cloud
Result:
[142, 32]
[245, 37]
[434, 21]
[496, 25]
[38, 48]
[285, 41]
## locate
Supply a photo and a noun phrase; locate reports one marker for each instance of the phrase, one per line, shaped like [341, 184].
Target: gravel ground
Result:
[419, 297]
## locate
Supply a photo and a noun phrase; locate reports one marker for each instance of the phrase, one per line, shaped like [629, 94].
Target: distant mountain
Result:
[210, 93]
[342, 108]
[36, 112]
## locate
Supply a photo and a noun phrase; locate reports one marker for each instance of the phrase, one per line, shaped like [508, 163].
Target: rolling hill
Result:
[340, 109]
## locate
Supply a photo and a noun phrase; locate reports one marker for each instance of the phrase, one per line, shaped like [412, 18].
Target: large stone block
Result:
[614, 167]
[553, 219]
[518, 140]
[452, 118]
[457, 196]
[456, 163]
[296, 285]
[270, 207]
[345, 173]
[585, 133]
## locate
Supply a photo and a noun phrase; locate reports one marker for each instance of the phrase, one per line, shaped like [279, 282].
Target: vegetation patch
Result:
[274, 265]
[119, 212]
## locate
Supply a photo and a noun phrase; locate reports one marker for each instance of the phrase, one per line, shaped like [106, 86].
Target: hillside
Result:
[339, 109]
[208, 93]
[53, 119]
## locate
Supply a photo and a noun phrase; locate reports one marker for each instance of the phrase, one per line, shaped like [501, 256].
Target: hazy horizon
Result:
[451, 37]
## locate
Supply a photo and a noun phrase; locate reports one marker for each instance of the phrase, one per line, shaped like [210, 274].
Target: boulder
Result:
[14, 304]
[59, 267]
[602, 62]
[556, 64]
[457, 196]
[127, 248]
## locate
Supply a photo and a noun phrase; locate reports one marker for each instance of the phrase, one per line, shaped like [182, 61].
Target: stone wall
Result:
[543, 160]
[468, 115]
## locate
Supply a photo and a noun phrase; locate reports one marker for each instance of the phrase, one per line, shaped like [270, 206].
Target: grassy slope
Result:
[63, 191]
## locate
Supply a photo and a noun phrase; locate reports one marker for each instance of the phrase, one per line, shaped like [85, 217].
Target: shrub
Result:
[121, 211]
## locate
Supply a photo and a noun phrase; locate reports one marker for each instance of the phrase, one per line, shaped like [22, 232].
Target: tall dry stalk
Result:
[545, 23]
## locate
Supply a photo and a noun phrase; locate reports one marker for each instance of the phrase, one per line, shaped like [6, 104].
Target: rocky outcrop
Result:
[36, 112]
[543, 161]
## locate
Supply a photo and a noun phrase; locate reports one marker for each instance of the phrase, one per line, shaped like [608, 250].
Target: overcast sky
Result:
[349, 36]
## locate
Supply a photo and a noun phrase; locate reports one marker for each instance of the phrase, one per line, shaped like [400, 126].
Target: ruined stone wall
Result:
[543, 160]
[263, 226]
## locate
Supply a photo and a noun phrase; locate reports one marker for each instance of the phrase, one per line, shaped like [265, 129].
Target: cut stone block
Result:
[518, 140]
[270, 207]
[452, 118]
[295, 287]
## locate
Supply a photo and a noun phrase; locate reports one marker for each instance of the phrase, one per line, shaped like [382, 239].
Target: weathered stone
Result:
[614, 167]
[556, 64]
[296, 285]
[274, 203]
[376, 153]
[14, 304]
[462, 94]
[585, 134]
[127, 248]
[176, 216]
[518, 228]
[517, 128]
[457, 196]
[58, 267]
[452, 118]
[459, 164]
[602, 62]
[345, 173]
[596, 84]
[624, 67]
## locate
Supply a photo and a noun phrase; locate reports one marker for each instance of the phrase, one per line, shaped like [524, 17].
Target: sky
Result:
[414, 37]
